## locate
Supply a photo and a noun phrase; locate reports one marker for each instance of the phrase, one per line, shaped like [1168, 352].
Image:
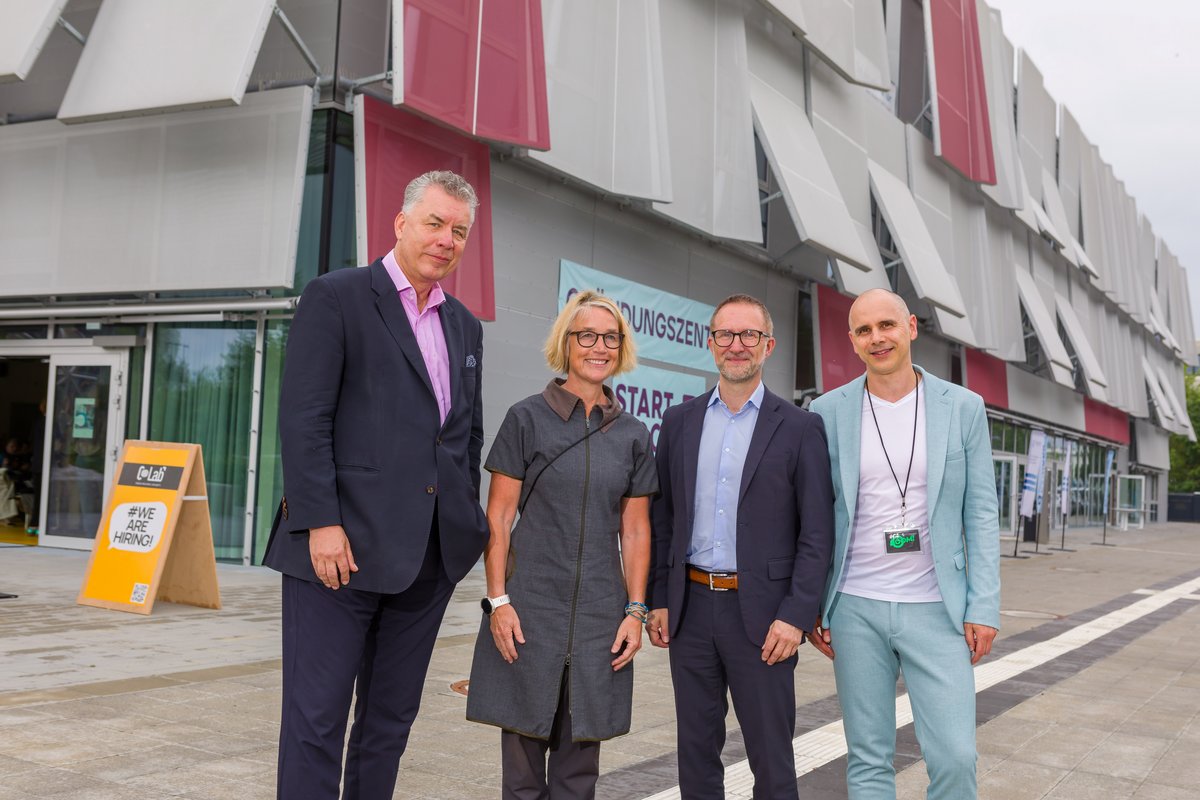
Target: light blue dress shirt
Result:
[724, 442]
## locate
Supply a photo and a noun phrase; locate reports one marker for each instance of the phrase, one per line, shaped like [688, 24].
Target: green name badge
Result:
[902, 539]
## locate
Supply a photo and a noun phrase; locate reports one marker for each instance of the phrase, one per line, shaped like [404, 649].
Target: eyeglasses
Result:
[749, 337]
[588, 338]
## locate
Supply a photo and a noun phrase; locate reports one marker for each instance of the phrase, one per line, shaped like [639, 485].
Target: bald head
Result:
[882, 330]
[873, 297]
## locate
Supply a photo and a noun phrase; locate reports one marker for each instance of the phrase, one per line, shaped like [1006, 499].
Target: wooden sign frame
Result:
[172, 559]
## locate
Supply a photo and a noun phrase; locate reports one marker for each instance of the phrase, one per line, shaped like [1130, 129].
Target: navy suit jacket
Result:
[363, 445]
[784, 519]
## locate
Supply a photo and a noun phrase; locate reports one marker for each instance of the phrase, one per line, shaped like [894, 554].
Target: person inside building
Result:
[381, 424]
[566, 586]
[915, 585]
[743, 529]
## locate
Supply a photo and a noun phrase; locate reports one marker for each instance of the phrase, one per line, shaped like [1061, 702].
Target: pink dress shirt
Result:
[427, 326]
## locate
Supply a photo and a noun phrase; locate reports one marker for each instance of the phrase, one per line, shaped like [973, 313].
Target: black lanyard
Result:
[913, 452]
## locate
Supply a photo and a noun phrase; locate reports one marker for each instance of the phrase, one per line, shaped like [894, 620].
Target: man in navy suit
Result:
[742, 536]
[381, 422]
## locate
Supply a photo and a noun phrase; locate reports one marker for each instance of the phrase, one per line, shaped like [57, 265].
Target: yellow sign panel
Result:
[155, 539]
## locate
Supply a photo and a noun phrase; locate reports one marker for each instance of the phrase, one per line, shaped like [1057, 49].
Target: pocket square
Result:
[470, 361]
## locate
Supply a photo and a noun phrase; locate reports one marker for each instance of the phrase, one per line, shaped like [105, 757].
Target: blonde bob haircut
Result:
[558, 349]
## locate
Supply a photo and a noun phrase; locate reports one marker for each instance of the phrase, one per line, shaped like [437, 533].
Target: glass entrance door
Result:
[1006, 492]
[84, 432]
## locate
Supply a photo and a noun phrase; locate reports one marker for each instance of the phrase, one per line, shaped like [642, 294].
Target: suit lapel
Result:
[849, 427]
[391, 309]
[764, 428]
[693, 427]
[452, 332]
[937, 418]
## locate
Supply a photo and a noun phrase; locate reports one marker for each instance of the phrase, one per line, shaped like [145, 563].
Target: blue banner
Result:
[1108, 462]
[648, 392]
[668, 327]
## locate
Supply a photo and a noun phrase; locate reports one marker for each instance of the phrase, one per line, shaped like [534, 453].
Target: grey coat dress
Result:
[566, 580]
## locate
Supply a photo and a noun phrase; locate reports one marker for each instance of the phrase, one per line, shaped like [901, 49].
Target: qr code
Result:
[139, 593]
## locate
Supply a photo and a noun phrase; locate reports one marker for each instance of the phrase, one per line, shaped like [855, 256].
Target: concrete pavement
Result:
[1093, 690]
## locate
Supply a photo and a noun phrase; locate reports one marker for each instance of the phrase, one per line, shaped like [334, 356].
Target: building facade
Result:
[172, 175]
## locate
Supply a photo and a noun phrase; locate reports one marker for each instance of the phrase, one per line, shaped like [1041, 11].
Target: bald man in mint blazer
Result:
[915, 582]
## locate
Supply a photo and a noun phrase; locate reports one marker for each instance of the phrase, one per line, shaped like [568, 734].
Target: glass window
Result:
[23, 331]
[202, 381]
[270, 462]
[327, 225]
[86, 330]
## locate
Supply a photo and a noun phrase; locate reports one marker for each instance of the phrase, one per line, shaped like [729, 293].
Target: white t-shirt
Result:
[872, 571]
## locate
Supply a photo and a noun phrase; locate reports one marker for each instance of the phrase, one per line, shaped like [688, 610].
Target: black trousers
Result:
[574, 767]
[376, 646]
[710, 654]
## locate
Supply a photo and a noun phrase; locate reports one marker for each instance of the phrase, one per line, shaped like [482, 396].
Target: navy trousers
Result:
[710, 654]
[374, 646]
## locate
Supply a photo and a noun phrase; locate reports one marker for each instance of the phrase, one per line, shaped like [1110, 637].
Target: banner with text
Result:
[647, 393]
[1031, 488]
[668, 327]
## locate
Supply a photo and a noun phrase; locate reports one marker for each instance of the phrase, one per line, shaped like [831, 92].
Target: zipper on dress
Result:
[587, 477]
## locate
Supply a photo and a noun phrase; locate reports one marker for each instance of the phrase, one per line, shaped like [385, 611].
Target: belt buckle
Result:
[713, 588]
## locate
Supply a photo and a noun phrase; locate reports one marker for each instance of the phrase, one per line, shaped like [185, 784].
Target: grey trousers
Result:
[573, 767]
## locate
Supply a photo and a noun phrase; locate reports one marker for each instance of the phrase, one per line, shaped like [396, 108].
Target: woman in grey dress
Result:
[565, 586]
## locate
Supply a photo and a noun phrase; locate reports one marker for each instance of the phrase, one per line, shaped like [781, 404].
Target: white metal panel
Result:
[1081, 257]
[27, 25]
[1092, 217]
[1097, 383]
[146, 56]
[921, 260]
[871, 67]
[201, 200]
[1036, 116]
[830, 33]
[792, 12]
[1153, 446]
[1046, 400]
[997, 52]
[1177, 405]
[606, 97]
[713, 172]
[957, 328]
[1165, 411]
[1053, 203]
[839, 121]
[854, 281]
[812, 197]
[1008, 336]
[1044, 327]
[1070, 148]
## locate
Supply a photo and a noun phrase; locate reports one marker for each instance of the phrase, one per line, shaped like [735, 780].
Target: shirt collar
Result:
[563, 402]
[403, 284]
[755, 399]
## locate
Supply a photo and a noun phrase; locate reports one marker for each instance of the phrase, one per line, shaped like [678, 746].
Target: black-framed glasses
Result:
[588, 338]
[749, 337]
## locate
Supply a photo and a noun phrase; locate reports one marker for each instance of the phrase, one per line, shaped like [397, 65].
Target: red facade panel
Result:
[478, 66]
[396, 147]
[1105, 421]
[512, 75]
[839, 363]
[987, 376]
[964, 130]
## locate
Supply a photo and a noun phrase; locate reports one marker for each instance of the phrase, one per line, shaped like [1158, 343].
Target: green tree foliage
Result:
[1185, 455]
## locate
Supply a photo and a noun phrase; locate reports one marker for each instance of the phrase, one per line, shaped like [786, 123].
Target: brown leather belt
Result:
[717, 581]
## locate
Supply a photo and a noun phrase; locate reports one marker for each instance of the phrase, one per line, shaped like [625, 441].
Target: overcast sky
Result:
[1129, 72]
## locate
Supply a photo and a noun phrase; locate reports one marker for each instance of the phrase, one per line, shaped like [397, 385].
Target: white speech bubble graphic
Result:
[136, 527]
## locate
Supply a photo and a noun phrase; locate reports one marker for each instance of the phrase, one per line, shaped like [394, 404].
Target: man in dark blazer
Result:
[381, 423]
[742, 536]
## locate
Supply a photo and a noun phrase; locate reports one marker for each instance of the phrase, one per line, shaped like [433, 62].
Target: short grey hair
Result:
[451, 183]
[749, 300]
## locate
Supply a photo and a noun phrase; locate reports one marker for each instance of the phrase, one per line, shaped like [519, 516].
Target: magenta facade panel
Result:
[512, 75]
[478, 66]
[963, 132]
[392, 147]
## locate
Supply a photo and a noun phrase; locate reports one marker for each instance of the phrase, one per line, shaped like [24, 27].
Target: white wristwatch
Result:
[490, 604]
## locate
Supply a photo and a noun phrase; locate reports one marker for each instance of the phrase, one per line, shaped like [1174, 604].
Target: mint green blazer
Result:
[963, 516]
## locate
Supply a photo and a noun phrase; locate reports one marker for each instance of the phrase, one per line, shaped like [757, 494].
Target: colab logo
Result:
[136, 527]
[901, 540]
[151, 474]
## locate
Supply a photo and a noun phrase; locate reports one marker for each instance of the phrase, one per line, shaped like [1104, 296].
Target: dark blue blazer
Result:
[362, 443]
[784, 521]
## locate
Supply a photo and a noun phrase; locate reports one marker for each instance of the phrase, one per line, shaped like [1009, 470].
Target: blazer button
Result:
[430, 490]
[438, 441]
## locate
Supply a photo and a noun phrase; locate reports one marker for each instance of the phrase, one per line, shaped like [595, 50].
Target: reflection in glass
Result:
[77, 450]
[201, 389]
[270, 461]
